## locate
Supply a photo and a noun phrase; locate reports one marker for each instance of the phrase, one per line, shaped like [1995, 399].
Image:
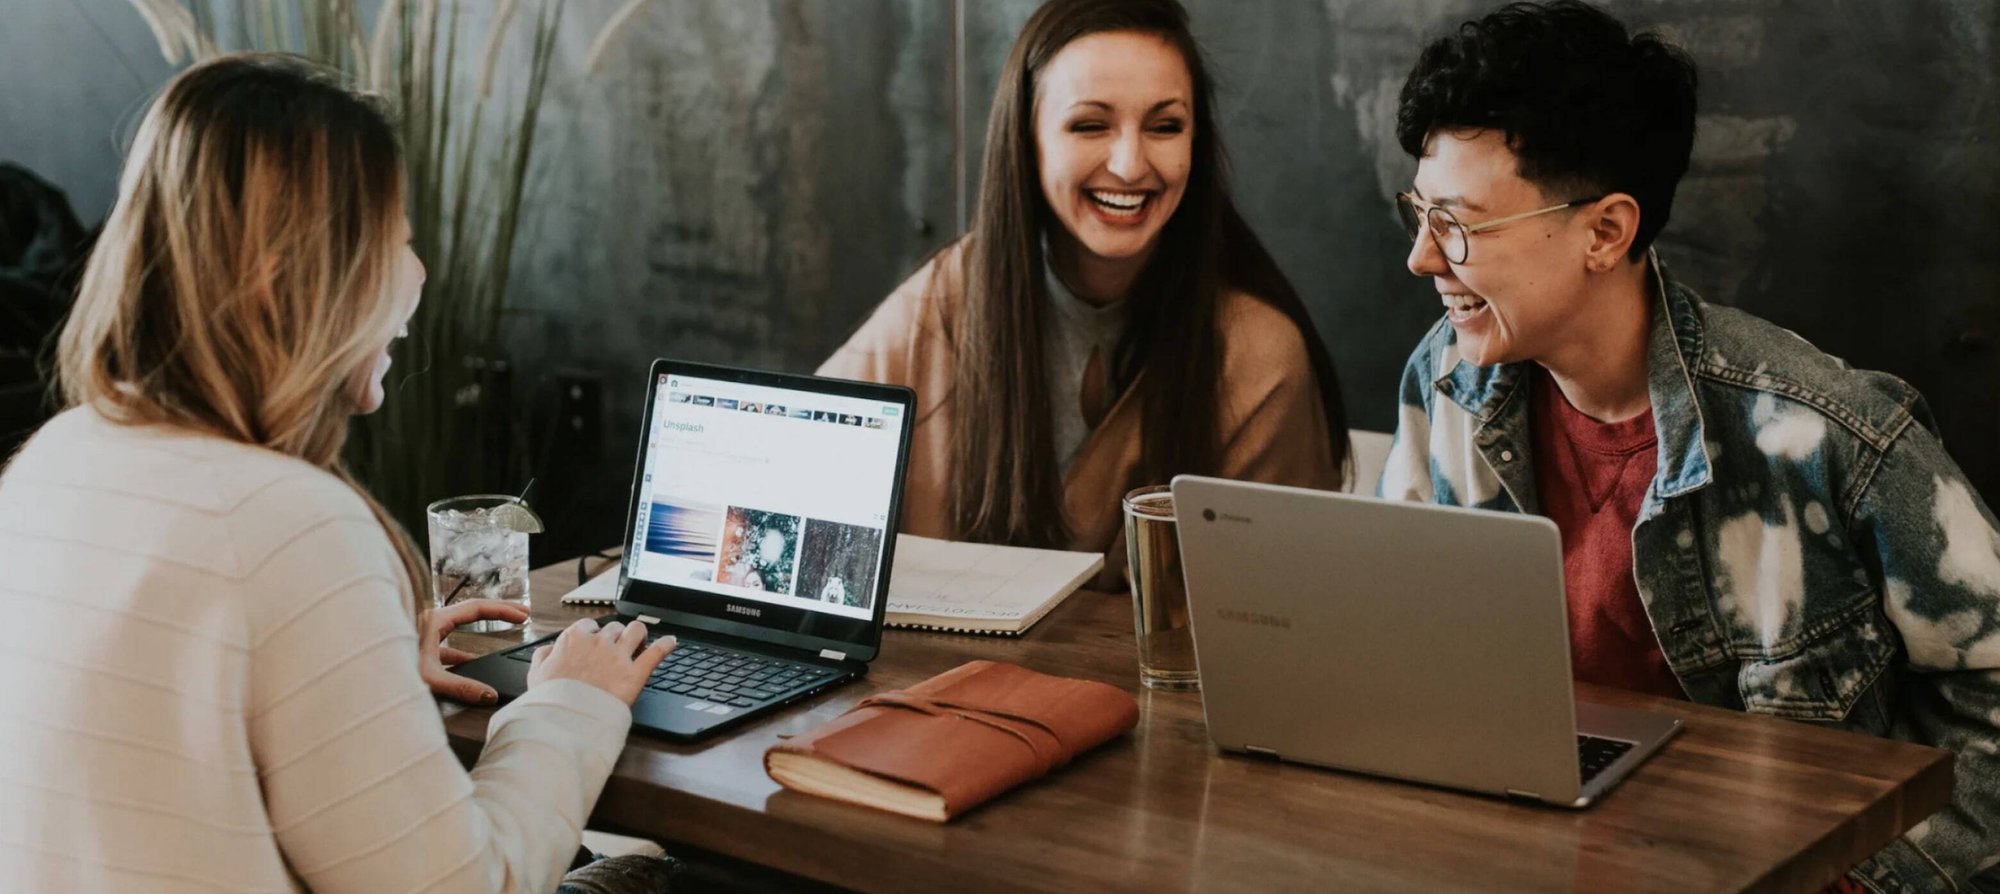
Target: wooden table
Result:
[1736, 802]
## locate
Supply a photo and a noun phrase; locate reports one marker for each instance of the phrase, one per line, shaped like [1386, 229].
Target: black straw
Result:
[456, 590]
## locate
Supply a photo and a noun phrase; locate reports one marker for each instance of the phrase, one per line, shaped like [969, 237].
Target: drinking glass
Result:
[1159, 591]
[477, 552]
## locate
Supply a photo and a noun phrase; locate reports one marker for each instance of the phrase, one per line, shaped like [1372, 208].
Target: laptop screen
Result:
[773, 501]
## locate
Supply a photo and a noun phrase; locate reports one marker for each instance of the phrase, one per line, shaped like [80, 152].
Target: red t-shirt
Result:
[1592, 476]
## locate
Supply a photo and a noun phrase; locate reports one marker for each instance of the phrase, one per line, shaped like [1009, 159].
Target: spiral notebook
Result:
[944, 585]
[599, 590]
[981, 588]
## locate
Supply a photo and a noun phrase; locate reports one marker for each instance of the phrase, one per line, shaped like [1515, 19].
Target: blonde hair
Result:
[243, 278]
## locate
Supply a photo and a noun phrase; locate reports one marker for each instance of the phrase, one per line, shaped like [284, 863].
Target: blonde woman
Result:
[216, 685]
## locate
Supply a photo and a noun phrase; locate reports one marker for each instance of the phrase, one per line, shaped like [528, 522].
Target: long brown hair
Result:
[1008, 488]
[242, 278]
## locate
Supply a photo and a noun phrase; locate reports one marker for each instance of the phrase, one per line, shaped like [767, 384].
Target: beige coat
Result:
[1272, 424]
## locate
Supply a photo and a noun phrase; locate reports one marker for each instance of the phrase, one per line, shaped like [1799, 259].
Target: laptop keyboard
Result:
[1595, 754]
[723, 676]
[727, 677]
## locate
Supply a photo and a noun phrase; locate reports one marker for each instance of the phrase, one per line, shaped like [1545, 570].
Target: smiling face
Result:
[1114, 138]
[1522, 288]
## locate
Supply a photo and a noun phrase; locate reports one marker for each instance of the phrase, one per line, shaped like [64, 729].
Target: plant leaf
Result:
[609, 32]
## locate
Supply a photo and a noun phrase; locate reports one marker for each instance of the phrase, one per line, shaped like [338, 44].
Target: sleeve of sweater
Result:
[878, 351]
[362, 790]
[885, 347]
[1274, 424]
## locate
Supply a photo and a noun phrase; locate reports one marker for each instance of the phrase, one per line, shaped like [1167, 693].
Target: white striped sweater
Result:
[209, 683]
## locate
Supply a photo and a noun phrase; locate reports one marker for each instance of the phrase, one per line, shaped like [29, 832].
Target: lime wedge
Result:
[516, 517]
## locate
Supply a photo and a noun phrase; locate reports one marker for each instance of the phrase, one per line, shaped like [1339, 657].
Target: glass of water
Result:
[1159, 591]
[479, 550]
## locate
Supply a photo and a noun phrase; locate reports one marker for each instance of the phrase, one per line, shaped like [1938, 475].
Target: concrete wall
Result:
[742, 183]
[74, 77]
[744, 180]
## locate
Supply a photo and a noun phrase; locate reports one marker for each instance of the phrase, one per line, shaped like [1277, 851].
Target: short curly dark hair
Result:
[1588, 108]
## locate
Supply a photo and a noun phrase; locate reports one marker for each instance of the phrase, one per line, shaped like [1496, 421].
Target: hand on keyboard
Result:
[614, 658]
[434, 656]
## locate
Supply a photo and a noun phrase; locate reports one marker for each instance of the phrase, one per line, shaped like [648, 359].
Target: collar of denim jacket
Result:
[1671, 349]
[1674, 340]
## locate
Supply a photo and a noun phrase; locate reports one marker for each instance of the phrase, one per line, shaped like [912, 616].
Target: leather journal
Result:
[953, 742]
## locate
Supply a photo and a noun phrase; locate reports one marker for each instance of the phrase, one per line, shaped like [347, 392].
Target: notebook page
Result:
[979, 581]
[600, 590]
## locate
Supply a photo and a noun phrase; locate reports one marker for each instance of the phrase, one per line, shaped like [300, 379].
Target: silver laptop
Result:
[1421, 642]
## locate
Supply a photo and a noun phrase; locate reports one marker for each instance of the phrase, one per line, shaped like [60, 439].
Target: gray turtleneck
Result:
[1070, 335]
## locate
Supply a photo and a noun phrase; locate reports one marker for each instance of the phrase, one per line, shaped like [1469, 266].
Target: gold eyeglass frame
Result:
[1427, 214]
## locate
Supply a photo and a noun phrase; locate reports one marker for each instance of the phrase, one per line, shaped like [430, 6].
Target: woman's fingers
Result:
[448, 618]
[453, 686]
[656, 652]
[631, 638]
[615, 657]
[495, 609]
[452, 657]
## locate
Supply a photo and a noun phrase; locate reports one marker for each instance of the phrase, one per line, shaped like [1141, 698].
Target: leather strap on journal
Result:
[1039, 738]
[970, 733]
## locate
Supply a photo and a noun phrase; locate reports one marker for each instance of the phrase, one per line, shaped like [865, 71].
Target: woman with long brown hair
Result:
[223, 688]
[1109, 321]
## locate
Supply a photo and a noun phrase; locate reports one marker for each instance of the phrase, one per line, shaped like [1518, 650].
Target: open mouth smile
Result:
[1119, 206]
[1463, 309]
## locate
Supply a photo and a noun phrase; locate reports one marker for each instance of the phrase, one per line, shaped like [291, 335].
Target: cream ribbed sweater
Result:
[209, 682]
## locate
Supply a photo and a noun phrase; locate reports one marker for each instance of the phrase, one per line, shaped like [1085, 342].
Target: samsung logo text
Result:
[1258, 618]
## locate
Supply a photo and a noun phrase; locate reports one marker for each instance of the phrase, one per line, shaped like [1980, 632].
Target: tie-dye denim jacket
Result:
[1806, 548]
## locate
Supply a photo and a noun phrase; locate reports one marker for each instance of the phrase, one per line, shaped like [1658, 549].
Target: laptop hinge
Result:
[1260, 751]
[648, 619]
[832, 655]
[1525, 796]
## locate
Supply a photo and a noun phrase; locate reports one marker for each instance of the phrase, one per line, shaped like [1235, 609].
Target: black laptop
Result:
[760, 533]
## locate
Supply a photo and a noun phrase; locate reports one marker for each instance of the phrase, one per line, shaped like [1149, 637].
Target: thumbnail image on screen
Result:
[767, 494]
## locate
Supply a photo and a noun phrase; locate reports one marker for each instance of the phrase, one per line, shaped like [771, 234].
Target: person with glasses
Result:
[1747, 522]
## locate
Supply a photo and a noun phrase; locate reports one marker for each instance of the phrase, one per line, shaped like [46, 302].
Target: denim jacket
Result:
[1806, 548]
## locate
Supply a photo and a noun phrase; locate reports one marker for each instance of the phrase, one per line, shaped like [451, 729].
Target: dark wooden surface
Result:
[1736, 802]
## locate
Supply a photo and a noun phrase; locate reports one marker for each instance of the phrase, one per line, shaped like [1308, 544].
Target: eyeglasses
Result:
[1453, 238]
